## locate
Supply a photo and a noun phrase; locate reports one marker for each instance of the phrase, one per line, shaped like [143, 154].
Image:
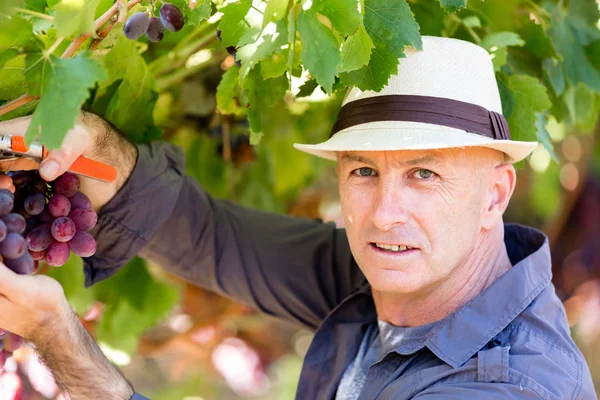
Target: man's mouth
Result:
[392, 247]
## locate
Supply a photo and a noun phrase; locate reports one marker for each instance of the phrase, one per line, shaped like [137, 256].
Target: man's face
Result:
[431, 201]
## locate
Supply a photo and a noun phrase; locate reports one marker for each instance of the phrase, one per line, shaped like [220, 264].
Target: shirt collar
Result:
[460, 335]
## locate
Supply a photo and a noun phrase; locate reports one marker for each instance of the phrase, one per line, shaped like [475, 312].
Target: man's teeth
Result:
[392, 247]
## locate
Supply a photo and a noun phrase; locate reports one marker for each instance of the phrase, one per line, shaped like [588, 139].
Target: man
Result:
[425, 295]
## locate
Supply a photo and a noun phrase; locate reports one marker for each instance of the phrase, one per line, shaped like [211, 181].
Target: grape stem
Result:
[16, 103]
[75, 44]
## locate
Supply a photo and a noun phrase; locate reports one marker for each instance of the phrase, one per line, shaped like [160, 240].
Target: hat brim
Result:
[403, 135]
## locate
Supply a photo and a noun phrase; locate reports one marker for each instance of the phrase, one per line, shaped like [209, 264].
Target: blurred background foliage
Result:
[177, 341]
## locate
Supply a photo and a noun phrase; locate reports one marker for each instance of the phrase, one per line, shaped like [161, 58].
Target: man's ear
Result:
[501, 186]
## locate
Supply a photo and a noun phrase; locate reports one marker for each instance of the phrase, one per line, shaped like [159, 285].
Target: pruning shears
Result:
[14, 147]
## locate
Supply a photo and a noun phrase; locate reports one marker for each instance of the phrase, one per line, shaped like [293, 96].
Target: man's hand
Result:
[31, 305]
[91, 137]
[35, 307]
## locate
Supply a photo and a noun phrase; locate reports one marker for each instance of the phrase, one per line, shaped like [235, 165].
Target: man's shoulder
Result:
[542, 352]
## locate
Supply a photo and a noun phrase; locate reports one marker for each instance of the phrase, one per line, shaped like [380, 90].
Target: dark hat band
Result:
[431, 110]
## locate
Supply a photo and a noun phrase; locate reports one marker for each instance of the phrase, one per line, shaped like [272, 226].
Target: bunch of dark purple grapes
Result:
[139, 23]
[42, 222]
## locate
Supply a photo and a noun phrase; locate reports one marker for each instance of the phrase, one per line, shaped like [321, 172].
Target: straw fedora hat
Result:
[444, 96]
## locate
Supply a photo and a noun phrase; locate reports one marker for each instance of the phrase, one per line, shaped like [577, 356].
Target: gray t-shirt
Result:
[378, 340]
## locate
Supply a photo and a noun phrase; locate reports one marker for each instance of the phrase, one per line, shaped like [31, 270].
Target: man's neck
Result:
[476, 274]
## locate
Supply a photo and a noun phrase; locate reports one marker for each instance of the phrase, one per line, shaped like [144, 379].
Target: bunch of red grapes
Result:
[139, 23]
[42, 221]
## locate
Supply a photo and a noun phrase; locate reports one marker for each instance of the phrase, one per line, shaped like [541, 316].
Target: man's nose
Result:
[390, 206]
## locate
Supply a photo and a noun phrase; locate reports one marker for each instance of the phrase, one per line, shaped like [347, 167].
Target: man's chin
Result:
[394, 281]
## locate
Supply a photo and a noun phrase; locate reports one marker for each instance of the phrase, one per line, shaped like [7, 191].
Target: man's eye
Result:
[364, 171]
[425, 174]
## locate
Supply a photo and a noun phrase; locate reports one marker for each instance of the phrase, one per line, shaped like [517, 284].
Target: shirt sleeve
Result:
[479, 390]
[294, 268]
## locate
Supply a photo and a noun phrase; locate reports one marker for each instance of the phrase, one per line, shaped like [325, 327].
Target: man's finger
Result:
[58, 161]
[16, 126]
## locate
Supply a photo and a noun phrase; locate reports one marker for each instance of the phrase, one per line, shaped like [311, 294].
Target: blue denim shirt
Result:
[510, 342]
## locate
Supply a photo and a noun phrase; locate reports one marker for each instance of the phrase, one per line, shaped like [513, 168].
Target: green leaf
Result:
[506, 98]
[543, 136]
[270, 40]
[15, 32]
[230, 99]
[553, 72]
[71, 278]
[194, 17]
[343, 14]
[275, 65]
[6, 6]
[7, 55]
[233, 23]
[537, 40]
[582, 104]
[65, 85]
[202, 11]
[530, 98]
[75, 17]
[275, 10]
[451, 6]
[593, 53]
[264, 97]
[501, 40]
[135, 301]
[578, 68]
[391, 26]
[36, 5]
[587, 10]
[130, 109]
[307, 88]
[320, 50]
[356, 51]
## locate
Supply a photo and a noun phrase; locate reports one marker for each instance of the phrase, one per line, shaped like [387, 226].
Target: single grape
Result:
[136, 25]
[15, 223]
[37, 255]
[39, 185]
[23, 265]
[84, 219]
[171, 17]
[67, 184]
[83, 244]
[13, 246]
[156, 30]
[3, 230]
[45, 217]
[80, 200]
[58, 254]
[19, 178]
[34, 203]
[40, 238]
[7, 201]
[12, 342]
[63, 229]
[59, 205]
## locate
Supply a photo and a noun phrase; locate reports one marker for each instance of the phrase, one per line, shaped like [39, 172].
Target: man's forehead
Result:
[399, 158]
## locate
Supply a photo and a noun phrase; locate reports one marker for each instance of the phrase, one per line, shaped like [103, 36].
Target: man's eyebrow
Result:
[428, 159]
[349, 158]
